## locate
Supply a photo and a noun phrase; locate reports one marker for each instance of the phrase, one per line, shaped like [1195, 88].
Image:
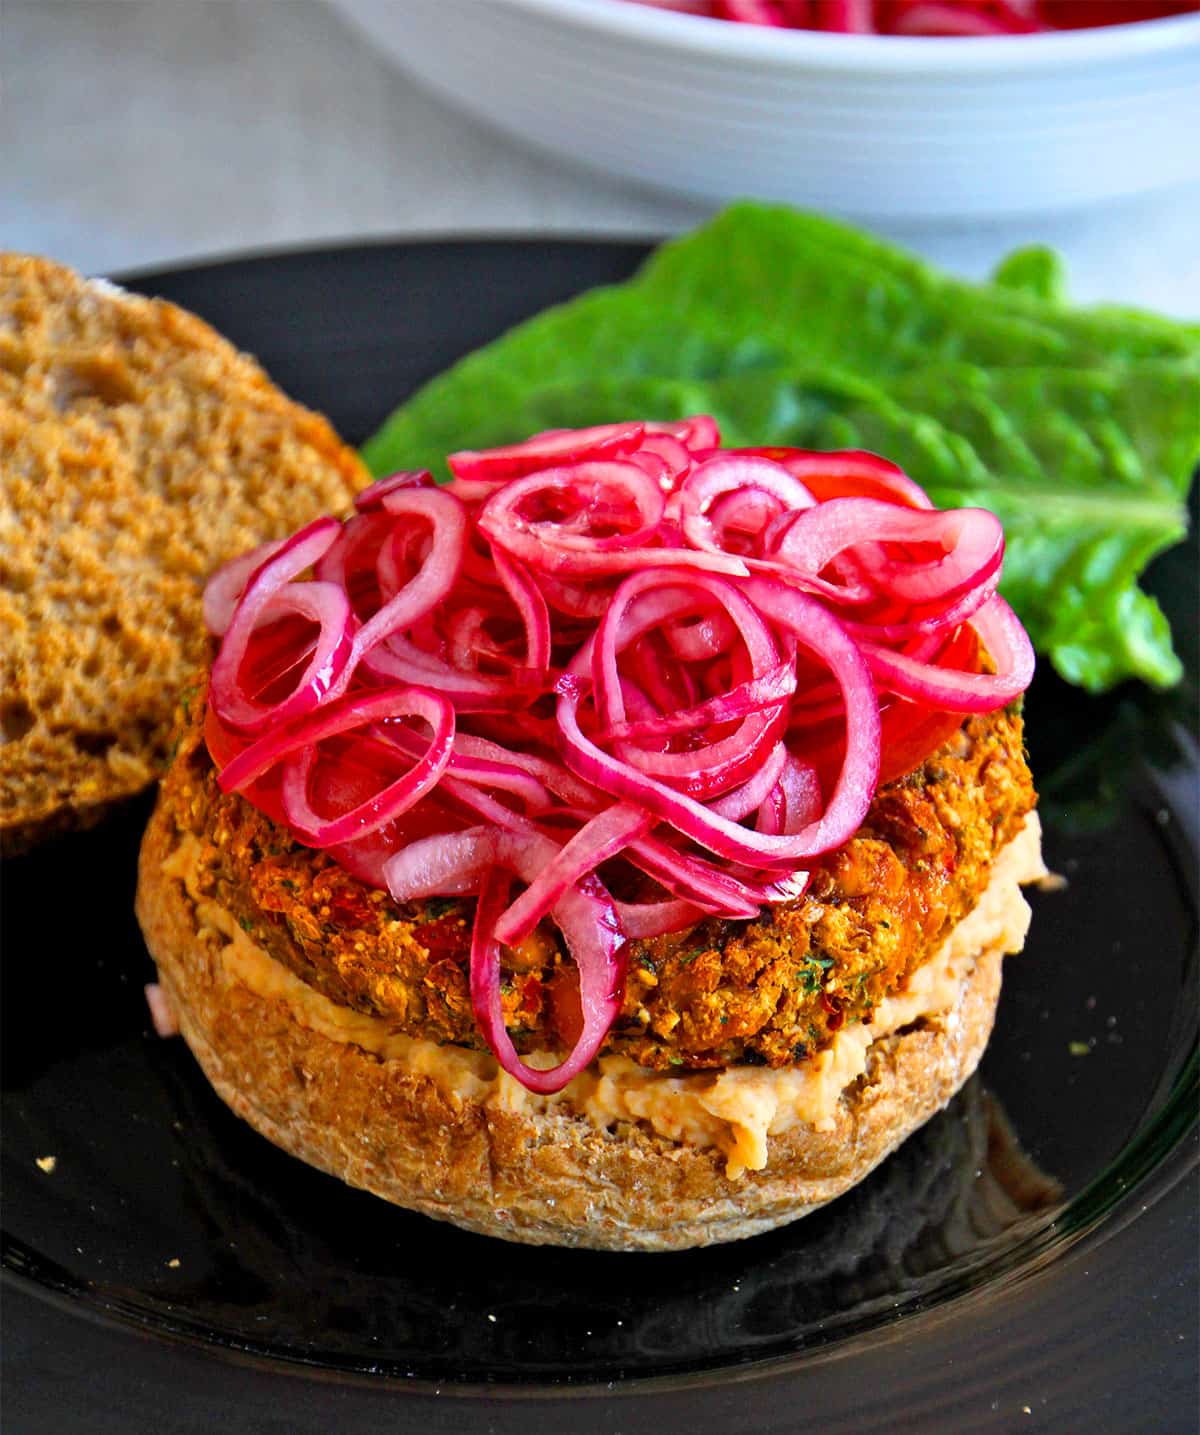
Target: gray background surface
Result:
[142, 133]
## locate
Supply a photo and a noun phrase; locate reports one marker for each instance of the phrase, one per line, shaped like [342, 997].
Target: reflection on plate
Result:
[162, 1211]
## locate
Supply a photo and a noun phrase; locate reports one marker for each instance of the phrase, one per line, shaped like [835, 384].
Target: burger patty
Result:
[770, 992]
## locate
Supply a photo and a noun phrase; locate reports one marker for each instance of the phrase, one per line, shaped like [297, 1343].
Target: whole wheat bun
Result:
[550, 1178]
[138, 451]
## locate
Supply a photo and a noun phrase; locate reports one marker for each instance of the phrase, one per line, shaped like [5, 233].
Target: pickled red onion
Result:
[264, 598]
[947, 18]
[619, 648]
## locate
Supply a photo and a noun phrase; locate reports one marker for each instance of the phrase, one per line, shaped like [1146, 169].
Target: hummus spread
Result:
[736, 1110]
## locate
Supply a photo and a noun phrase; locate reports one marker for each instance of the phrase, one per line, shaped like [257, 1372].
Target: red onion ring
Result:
[604, 836]
[664, 458]
[263, 599]
[448, 865]
[855, 785]
[400, 661]
[767, 690]
[642, 920]
[588, 921]
[729, 473]
[377, 811]
[553, 547]
[972, 541]
[373, 495]
[225, 587]
[353, 711]
[435, 578]
[554, 446]
[718, 890]
[531, 605]
[697, 434]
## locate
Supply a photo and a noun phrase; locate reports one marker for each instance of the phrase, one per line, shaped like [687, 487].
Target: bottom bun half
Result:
[537, 1176]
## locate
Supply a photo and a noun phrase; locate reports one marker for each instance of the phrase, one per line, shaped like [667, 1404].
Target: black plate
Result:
[1033, 1247]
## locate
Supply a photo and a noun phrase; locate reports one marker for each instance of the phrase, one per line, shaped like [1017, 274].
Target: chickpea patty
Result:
[772, 991]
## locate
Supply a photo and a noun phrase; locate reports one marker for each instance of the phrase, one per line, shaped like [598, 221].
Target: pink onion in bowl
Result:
[952, 19]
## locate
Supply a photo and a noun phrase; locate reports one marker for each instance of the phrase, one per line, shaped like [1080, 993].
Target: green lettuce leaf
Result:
[1034, 270]
[1079, 428]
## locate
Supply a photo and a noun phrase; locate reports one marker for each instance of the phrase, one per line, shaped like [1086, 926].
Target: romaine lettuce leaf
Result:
[1080, 429]
[1034, 270]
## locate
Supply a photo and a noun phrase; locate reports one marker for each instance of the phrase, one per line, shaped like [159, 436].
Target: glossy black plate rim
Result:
[1147, 1170]
[1164, 1153]
[1109, 1222]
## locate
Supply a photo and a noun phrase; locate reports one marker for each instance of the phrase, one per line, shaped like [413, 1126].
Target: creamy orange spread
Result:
[735, 1110]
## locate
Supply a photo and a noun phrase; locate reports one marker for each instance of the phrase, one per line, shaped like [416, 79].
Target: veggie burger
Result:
[615, 846]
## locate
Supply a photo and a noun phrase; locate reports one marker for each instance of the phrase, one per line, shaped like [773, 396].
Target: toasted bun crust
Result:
[138, 451]
[537, 1178]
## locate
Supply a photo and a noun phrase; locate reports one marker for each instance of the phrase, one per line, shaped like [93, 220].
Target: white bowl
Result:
[871, 126]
